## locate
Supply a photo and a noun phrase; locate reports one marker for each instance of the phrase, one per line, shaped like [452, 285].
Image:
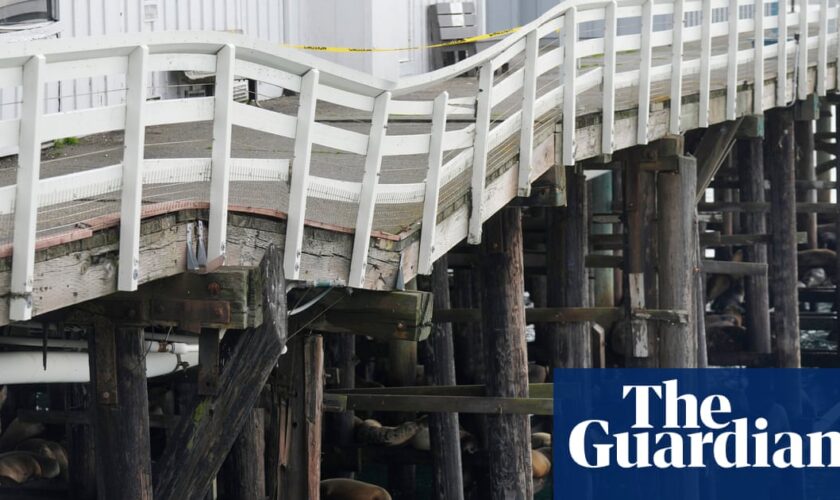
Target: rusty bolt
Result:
[214, 288]
[218, 310]
[106, 395]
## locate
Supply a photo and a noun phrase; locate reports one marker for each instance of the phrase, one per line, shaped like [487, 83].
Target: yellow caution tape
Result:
[461, 41]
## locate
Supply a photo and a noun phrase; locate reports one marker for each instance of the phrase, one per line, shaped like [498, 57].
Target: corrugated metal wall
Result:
[357, 23]
[79, 18]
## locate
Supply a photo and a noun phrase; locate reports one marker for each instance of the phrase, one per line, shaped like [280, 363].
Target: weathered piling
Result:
[503, 329]
[121, 411]
[202, 438]
[779, 158]
[242, 476]
[302, 371]
[756, 294]
[602, 197]
[567, 283]
[402, 371]
[639, 260]
[444, 430]
[676, 190]
[805, 113]
[340, 348]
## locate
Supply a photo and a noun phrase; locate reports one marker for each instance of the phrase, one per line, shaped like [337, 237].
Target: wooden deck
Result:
[77, 248]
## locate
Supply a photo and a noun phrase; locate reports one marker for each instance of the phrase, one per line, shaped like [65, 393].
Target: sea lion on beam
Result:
[350, 489]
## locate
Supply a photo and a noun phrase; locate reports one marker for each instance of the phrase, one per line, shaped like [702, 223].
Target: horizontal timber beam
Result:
[438, 404]
[734, 268]
[564, 315]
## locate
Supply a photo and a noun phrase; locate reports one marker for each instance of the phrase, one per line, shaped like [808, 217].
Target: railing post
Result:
[802, 76]
[781, 55]
[480, 150]
[529, 98]
[644, 72]
[732, 59]
[705, 59]
[676, 66]
[758, 58]
[608, 118]
[570, 36]
[220, 170]
[26, 193]
[132, 175]
[299, 182]
[367, 198]
[430, 201]
[822, 50]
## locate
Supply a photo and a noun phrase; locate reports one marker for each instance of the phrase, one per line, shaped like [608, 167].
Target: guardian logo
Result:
[697, 434]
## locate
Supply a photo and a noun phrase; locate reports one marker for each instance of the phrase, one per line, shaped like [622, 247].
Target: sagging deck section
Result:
[358, 163]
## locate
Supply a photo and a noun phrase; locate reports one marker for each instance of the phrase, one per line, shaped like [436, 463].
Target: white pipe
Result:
[72, 367]
[51, 343]
[152, 346]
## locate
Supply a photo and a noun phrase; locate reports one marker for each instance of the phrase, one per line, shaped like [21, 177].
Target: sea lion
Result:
[19, 431]
[20, 466]
[422, 439]
[540, 464]
[49, 449]
[350, 489]
[821, 257]
[372, 432]
[537, 374]
[540, 440]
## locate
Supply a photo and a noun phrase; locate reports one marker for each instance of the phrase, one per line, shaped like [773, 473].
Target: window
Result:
[27, 11]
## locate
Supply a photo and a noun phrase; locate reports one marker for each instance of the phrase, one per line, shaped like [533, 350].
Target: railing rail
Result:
[552, 44]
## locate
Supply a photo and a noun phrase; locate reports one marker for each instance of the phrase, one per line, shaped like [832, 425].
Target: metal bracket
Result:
[192, 263]
[201, 256]
[191, 315]
[400, 285]
[196, 248]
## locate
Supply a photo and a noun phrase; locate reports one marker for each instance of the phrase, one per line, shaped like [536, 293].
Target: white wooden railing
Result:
[548, 46]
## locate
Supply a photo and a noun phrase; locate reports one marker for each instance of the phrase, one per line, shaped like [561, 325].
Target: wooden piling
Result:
[202, 439]
[402, 371]
[805, 170]
[444, 430]
[242, 476]
[676, 190]
[751, 179]
[80, 447]
[779, 157]
[302, 371]
[341, 349]
[836, 110]
[567, 282]
[121, 411]
[639, 258]
[602, 197]
[503, 329]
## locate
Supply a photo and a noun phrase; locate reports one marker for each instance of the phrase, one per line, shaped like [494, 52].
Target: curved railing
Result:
[469, 140]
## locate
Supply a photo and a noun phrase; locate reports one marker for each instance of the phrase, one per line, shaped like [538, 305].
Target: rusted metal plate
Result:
[191, 315]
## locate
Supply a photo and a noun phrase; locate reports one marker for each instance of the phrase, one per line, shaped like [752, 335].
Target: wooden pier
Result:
[334, 290]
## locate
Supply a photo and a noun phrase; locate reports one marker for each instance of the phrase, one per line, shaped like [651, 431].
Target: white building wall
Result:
[80, 18]
[344, 23]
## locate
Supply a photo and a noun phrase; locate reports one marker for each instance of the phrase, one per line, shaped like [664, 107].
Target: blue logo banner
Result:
[716, 434]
